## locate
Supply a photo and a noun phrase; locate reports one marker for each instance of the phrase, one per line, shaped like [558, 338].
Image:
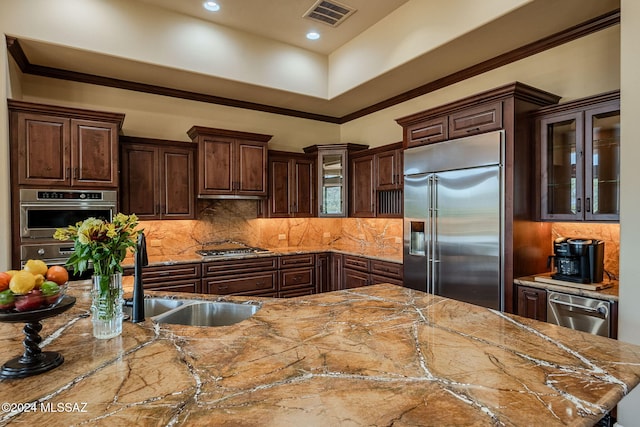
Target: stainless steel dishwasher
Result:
[580, 313]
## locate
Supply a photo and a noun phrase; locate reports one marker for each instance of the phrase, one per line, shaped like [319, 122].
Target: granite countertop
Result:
[608, 294]
[375, 356]
[383, 255]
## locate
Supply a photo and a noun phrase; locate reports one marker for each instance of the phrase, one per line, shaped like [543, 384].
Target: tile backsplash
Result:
[237, 220]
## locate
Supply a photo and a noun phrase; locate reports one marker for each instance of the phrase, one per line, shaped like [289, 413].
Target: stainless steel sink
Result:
[156, 306]
[208, 313]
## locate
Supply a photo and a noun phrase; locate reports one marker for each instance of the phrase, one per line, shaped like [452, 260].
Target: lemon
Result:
[36, 266]
[11, 272]
[22, 282]
[39, 279]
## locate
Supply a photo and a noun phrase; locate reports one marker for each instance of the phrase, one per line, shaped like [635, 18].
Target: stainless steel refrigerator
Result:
[454, 219]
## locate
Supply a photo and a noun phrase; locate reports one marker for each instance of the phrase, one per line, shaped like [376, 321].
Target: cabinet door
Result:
[259, 284]
[94, 153]
[279, 187]
[139, 192]
[323, 276]
[483, 118]
[177, 183]
[355, 278]
[427, 132]
[215, 170]
[250, 177]
[43, 145]
[532, 303]
[388, 171]
[304, 187]
[602, 163]
[332, 183]
[362, 200]
[562, 178]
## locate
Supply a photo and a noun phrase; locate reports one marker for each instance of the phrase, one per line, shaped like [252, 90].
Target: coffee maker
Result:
[578, 260]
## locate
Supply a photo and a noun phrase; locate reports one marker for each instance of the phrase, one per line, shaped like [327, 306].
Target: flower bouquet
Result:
[104, 245]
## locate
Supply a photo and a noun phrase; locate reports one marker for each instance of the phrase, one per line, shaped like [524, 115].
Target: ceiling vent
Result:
[329, 12]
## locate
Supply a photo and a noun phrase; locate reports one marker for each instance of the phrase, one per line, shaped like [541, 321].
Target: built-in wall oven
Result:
[42, 211]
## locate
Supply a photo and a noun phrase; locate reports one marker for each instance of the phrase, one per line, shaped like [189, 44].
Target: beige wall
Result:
[587, 66]
[629, 322]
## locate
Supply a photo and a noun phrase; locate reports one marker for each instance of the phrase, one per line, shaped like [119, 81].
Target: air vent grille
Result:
[329, 12]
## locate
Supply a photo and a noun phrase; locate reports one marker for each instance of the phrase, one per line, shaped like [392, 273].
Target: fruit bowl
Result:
[37, 299]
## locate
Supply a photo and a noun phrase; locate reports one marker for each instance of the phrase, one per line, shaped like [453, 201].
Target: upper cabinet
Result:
[231, 164]
[157, 179]
[466, 120]
[376, 182]
[61, 147]
[292, 185]
[579, 159]
[332, 164]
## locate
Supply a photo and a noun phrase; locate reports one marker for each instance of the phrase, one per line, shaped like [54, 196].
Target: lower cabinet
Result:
[252, 276]
[297, 275]
[532, 303]
[360, 271]
[174, 278]
[282, 276]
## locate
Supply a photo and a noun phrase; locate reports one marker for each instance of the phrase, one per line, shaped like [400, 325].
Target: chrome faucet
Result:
[141, 259]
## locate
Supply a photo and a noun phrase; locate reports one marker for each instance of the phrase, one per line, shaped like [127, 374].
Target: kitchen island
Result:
[376, 356]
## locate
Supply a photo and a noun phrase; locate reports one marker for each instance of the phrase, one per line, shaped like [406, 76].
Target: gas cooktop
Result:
[230, 249]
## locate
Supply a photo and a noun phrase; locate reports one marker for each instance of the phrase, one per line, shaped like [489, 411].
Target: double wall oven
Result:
[42, 211]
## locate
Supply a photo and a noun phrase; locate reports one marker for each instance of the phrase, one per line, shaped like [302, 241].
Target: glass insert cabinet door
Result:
[580, 165]
[602, 164]
[332, 182]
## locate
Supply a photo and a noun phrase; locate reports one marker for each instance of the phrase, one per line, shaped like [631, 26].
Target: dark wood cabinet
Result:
[532, 303]
[157, 178]
[579, 159]
[231, 163]
[250, 276]
[58, 147]
[376, 182]
[360, 271]
[427, 131]
[323, 272]
[362, 191]
[292, 185]
[477, 119]
[297, 275]
[174, 278]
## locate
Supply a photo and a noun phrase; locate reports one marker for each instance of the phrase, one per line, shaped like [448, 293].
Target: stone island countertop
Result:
[374, 356]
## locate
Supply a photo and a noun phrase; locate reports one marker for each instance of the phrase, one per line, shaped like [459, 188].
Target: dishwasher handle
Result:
[602, 310]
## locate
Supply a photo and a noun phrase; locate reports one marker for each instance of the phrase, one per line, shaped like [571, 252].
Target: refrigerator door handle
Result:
[435, 256]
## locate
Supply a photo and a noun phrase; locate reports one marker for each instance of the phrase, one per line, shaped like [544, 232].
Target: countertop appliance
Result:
[578, 260]
[580, 313]
[229, 248]
[454, 220]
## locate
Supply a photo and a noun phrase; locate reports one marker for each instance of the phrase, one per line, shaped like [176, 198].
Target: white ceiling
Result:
[282, 20]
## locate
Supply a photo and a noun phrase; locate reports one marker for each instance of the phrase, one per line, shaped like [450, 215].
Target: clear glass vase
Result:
[106, 305]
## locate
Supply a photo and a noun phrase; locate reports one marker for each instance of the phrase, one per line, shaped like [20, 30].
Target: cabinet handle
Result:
[75, 173]
[588, 204]
[68, 173]
[473, 130]
[579, 204]
[260, 283]
[223, 288]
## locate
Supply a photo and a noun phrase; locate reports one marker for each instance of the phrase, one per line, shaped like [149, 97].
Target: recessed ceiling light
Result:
[313, 35]
[211, 6]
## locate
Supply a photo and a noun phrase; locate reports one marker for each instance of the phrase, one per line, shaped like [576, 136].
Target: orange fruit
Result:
[5, 278]
[58, 274]
[35, 266]
[22, 282]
